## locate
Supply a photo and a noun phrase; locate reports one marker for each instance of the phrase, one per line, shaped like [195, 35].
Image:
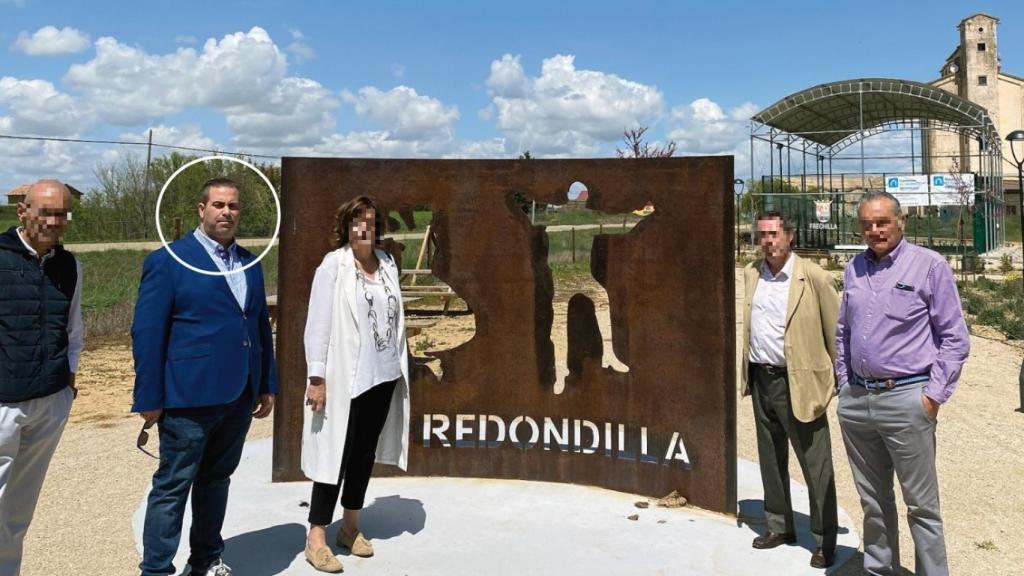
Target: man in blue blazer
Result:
[204, 367]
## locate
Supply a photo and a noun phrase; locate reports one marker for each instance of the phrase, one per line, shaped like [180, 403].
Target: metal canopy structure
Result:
[821, 122]
[829, 114]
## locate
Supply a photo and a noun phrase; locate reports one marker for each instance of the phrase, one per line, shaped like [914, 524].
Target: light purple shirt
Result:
[901, 316]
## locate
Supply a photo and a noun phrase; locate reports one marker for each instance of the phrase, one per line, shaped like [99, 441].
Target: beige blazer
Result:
[810, 337]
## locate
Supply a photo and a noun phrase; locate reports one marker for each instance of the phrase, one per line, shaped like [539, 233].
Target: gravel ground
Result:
[97, 478]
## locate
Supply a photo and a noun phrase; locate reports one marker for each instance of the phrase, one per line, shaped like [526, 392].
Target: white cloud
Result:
[188, 135]
[566, 111]
[242, 75]
[508, 79]
[127, 86]
[493, 148]
[300, 49]
[702, 127]
[371, 144]
[32, 160]
[50, 40]
[36, 107]
[406, 114]
[297, 112]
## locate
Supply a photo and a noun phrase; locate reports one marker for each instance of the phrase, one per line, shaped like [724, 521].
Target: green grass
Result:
[111, 284]
[999, 304]
[573, 216]
[421, 217]
[1013, 228]
[8, 217]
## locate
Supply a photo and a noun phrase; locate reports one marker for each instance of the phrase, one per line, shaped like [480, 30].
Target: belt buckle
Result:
[889, 384]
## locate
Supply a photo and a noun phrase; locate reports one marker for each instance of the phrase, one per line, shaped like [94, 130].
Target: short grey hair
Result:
[879, 194]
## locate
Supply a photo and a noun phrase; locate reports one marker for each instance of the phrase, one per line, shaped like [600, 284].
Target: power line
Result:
[128, 143]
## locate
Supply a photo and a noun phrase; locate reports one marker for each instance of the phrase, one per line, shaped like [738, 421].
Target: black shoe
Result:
[821, 560]
[773, 539]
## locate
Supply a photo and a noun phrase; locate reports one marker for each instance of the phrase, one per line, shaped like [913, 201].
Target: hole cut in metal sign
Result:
[668, 423]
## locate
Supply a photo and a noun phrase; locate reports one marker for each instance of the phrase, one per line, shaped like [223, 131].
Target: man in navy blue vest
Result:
[40, 341]
[204, 367]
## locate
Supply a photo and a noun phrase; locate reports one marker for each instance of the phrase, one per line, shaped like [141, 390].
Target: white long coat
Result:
[323, 432]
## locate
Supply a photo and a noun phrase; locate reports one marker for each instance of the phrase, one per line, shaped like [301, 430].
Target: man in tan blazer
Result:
[789, 326]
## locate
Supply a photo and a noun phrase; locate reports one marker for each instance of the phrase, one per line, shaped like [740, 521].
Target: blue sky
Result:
[441, 78]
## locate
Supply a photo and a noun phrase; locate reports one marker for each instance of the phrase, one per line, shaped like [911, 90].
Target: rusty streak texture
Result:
[670, 291]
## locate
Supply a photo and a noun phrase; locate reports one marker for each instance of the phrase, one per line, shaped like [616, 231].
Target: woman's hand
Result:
[316, 394]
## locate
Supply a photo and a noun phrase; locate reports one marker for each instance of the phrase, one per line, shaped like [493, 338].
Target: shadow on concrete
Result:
[265, 552]
[388, 517]
[751, 514]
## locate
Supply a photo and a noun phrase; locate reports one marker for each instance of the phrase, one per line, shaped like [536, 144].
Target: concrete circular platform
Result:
[459, 526]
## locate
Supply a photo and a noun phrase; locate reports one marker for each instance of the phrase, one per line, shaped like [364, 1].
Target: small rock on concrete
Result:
[673, 500]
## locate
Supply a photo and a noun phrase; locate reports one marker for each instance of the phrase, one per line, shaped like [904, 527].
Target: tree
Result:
[519, 199]
[637, 148]
[123, 205]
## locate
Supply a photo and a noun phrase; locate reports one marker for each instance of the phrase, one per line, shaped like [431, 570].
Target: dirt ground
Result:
[98, 477]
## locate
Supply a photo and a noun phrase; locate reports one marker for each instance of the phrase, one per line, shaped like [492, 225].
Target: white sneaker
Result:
[218, 568]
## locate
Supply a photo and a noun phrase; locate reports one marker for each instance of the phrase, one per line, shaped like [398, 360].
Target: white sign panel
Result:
[945, 189]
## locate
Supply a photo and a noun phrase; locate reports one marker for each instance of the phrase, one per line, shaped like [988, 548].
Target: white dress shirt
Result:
[768, 315]
[76, 338]
[226, 260]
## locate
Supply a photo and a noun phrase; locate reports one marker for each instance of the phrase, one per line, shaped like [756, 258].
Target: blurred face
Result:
[361, 232]
[775, 241]
[44, 213]
[220, 215]
[881, 228]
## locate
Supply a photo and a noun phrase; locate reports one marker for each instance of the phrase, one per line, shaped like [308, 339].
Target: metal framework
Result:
[823, 122]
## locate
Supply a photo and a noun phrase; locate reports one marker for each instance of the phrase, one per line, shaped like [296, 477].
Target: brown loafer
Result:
[323, 560]
[773, 539]
[821, 560]
[358, 545]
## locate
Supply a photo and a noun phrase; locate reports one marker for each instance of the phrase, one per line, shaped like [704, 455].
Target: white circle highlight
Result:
[277, 226]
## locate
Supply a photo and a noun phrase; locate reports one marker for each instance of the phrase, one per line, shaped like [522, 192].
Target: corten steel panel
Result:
[670, 292]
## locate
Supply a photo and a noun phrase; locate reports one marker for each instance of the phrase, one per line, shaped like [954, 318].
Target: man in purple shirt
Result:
[901, 342]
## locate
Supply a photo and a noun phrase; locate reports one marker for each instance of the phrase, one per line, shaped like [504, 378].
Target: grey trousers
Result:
[29, 432]
[776, 429]
[888, 432]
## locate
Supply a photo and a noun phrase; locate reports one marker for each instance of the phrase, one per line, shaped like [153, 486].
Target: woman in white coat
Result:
[357, 398]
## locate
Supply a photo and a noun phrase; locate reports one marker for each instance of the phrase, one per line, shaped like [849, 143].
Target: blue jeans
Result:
[199, 450]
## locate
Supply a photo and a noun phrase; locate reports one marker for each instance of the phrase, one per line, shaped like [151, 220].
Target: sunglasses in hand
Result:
[143, 438]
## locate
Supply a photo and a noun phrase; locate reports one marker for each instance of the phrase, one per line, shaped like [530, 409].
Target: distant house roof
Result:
[17, 194]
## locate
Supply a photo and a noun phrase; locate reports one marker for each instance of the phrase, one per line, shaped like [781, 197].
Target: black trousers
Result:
[776, 429]
[366, 416]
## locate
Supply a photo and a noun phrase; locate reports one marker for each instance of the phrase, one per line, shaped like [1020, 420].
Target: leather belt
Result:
[771, 368]
[883, 384]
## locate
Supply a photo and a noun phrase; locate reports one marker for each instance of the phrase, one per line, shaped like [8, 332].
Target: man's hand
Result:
[316, 394]
[264, 406]
[931, 407]
[71, 384]
[151, 416]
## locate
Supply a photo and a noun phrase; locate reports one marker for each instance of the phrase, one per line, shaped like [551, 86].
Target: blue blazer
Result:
[192, 344]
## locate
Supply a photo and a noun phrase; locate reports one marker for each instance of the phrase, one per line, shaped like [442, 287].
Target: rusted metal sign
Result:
[669, 423]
